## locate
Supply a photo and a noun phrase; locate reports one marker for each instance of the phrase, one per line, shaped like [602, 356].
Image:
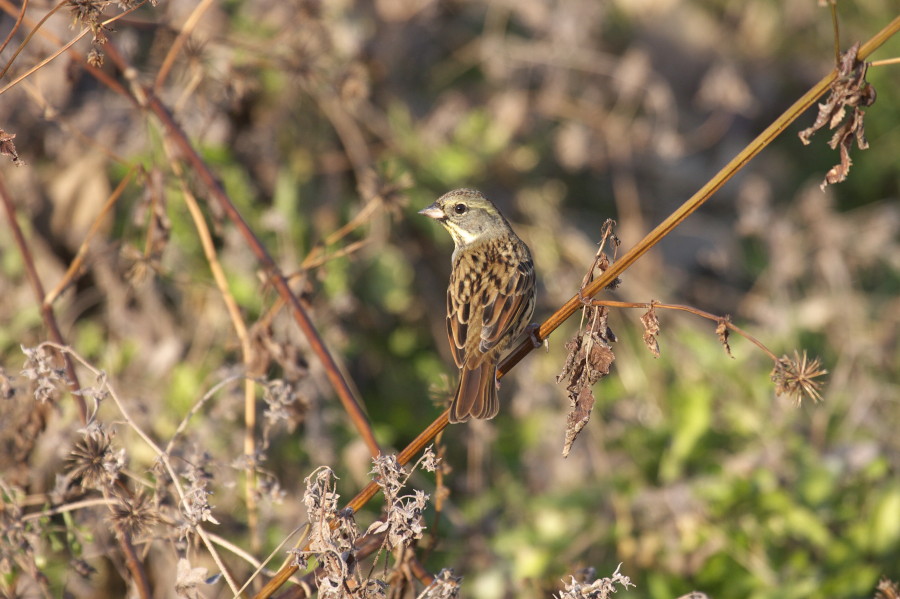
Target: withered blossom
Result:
[849, 90]
[795, 377]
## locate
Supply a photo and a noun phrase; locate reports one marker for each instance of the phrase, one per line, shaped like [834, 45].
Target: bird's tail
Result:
[476, 395]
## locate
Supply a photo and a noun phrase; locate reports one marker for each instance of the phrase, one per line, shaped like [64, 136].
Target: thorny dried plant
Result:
[195, 507]
[403, 523]
[40, 369]
[590, 356]
[722, 332]
[849, 90]
[444, 586]
[334, 538]
[18, 540]
[95, 462]
[887, 589]
[136, 514]
[279, 397]
[188, 580]
[595, 588]
[650, 320]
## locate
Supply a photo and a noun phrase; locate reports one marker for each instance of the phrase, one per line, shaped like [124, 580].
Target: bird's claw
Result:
[532, 330]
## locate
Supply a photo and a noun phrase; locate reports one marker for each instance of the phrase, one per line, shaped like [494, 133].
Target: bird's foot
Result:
[531, 330]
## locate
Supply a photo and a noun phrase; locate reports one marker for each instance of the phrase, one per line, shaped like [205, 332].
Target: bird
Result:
[490, 297]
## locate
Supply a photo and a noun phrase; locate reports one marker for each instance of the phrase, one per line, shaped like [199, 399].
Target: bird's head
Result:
[468, 216]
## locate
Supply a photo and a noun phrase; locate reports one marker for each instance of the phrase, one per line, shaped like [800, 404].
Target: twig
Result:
[58, 52]
[247, 353]
[151, 102]
[179, 42]
[78, 260]
[46, 309]
[695, 311]
[15, 28]
[31, 33]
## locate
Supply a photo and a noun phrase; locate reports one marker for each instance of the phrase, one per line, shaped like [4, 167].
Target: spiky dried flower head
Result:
[95, 463]
[87, 12]
[136, 514]
[796, 377]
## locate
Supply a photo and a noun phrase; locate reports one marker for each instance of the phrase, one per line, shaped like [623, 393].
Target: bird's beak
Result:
[434, 211]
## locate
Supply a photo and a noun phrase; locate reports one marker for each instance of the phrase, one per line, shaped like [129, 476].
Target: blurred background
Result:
[330, 124]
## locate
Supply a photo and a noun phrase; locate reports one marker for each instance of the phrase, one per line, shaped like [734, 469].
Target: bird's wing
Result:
[509, 310]
[459, 308]
[474, 331]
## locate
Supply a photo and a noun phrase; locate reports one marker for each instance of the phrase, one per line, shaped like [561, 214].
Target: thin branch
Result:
[696, 312]
[9, 8]
[179, 42]
[78, 260]
[41, 64]
[247, 352]
[37, 286]
[15, 28]
[151, 102]
[98, 73]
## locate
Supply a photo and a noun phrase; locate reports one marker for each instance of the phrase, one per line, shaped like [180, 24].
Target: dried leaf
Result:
[722, 332]
[887, 589]
[849, 90]
[8, 148]
[651, 330]
[589, 359]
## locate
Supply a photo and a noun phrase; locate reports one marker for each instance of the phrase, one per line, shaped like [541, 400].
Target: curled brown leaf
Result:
[651, 329]
[8, 148]
[849, 90]
[722, 333]
[589, 359]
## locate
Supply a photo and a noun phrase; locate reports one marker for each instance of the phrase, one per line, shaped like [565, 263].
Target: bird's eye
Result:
[460, 208]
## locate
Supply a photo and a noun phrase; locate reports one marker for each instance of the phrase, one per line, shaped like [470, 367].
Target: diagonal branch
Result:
[149, 101]
[46, 307]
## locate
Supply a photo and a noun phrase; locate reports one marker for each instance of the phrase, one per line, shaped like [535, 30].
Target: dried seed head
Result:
[722, 333]
[95, 463]
[651, 330]
[136, 514]
[601, 588]
[795, 377]
[444, 586]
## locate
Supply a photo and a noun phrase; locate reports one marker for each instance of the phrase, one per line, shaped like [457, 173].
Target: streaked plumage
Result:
[490, 298]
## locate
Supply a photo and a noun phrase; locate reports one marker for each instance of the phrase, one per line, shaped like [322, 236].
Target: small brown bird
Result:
[490, 298]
